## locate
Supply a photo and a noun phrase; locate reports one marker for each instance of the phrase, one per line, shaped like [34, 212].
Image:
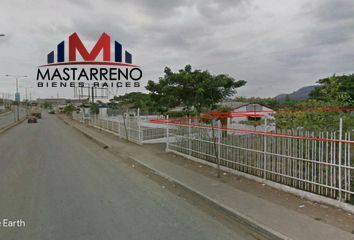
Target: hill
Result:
[301, 94]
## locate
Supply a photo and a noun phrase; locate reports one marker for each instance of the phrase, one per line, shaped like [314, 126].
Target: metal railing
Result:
[10, 117]
[133, 128]
[320, 163]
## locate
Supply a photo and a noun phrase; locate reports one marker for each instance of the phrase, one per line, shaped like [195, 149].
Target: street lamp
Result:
[17, 95]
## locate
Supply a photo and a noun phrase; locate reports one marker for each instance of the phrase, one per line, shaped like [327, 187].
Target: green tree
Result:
[94, 108]
[333, 92]
[162, 93]
[69, 109]
[46, 105]
[338, 89]
[113, 103]
[133, 100]
[314, 120]
[192, 89]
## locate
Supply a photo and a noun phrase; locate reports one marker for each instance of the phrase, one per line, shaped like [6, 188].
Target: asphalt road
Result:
[9, 118]
[63, 186]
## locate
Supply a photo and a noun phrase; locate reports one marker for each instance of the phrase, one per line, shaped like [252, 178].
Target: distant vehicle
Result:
[36, 112]
[32, 119]
[51, 111]
[61, 108]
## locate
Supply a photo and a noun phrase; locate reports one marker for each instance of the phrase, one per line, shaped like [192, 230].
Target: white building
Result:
[243, 115]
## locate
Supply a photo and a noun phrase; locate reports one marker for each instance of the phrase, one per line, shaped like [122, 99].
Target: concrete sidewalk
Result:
[5, 113]
[8, 127]
[275, 221]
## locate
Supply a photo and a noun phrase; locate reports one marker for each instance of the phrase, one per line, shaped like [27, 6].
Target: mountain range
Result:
[301, 94]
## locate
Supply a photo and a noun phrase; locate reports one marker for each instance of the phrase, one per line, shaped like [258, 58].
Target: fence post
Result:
[139, 127]
[189, 137]
[216, 147]
[118, 129]
[340, 160]
[265, 150]
[167, 134]
[219, 139]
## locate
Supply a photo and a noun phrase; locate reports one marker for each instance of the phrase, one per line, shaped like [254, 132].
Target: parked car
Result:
[32, 119]
[51, 111]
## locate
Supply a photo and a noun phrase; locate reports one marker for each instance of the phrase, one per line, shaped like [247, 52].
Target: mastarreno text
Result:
[78, 74]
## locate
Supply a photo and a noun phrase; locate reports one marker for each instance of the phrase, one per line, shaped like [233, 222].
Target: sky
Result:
[277, 46]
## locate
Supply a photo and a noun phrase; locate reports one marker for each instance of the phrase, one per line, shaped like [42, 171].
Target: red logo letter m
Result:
[103, 43]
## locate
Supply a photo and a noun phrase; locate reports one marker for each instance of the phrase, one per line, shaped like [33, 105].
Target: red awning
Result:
[246, 114]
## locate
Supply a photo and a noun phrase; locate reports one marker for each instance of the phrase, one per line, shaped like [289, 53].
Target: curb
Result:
[249, 222]
[5, 113]
[5, 129]
[98, 142]
[243, 219]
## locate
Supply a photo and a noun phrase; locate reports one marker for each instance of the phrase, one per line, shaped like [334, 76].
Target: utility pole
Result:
[27, 99]
[17, 100]
[17, 94]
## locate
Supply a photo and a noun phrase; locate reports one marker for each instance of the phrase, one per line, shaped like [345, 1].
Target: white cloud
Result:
[277, 46]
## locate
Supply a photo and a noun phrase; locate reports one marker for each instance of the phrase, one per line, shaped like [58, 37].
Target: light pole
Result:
[27, 101]
[17, 94]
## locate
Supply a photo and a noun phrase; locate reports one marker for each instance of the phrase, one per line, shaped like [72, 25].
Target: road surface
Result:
[63, 186]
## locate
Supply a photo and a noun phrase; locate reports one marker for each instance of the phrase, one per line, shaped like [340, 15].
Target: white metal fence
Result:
[319, 163]
[134, 128]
